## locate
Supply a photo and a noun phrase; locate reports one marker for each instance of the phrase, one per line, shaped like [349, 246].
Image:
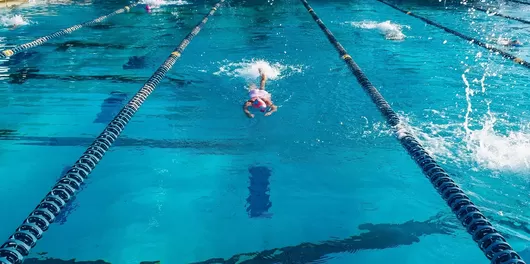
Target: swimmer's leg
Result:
[263, 80]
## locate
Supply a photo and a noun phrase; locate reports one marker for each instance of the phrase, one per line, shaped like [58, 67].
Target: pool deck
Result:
[11, 3]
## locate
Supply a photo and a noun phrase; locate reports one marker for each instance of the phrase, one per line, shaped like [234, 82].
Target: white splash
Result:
[390, 30]
[249, 69]
[482, 146]
[13, 21]
[158, 3]
[469, 93]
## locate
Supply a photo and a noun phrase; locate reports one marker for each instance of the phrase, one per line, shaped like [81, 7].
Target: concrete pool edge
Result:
[12, 3]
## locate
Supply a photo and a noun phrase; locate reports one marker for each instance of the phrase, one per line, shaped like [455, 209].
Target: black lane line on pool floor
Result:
[10, 52]
[27, 73]
[31, 230]
[258, 201]
[373, 237]
[491, 242]
[458, 34]
[224, 146]
[501, 15]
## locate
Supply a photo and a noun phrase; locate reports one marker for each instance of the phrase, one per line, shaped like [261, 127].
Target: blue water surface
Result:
[192, 179]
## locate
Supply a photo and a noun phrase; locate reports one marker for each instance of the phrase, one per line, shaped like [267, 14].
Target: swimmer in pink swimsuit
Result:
[259, 99]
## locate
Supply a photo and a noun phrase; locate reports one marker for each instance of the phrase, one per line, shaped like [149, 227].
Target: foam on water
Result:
[390, 30]
[158, 3]
[486, 141]
[13, 20]
[479, 137]
[249, 69]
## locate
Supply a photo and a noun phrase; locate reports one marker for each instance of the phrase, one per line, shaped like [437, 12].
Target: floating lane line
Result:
[491, 242]
[10, 52]
[520, 2]
[493, 13]
[26, 235]
[458, 34]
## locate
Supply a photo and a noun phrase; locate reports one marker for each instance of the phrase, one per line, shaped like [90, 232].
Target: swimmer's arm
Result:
[273, 108]
[245, 109]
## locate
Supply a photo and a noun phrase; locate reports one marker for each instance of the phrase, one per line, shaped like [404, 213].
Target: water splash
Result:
[469, 93]
[249, 69]
[159, 3]
[390, 30]
[489, 144]
[13, 21]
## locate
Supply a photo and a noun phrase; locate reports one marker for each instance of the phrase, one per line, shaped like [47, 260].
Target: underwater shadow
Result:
[378, 236]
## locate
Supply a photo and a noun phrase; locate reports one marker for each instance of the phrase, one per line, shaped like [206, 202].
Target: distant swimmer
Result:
[390, 30]
[15, 25]
[515, 43]
[394, 35]
[510, 43]
[147, 8]
[259, 99]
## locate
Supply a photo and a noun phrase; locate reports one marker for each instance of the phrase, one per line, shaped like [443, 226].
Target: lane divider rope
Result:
[520, 2]
[458, 34]
[501, 15]
[26, 235]
[10, 52]
[491, 242]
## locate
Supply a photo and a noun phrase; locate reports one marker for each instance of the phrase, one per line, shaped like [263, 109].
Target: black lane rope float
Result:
[458, 34]
[26, 235]
[520, 2]
[10, 52]
[492, 243]
[501, 15]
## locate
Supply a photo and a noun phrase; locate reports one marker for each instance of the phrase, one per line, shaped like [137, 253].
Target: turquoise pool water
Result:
[190, 172]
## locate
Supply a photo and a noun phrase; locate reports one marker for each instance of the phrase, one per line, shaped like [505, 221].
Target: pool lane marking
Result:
[487, 11]
[27, 235]
[491, 242]
[458, 34]
[10, 52]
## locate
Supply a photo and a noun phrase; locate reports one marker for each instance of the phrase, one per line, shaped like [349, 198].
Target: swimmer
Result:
[147, 8]
[511, 43]
[515, 43]
[14, 26]
[259, 98]
[394, 35]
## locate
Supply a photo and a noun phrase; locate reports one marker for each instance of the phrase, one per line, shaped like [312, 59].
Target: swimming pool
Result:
[192, 179]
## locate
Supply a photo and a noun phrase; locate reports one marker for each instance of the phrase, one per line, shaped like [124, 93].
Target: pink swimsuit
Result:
[257, 96]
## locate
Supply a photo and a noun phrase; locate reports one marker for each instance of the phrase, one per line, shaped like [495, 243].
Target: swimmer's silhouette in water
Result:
[259, 98]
